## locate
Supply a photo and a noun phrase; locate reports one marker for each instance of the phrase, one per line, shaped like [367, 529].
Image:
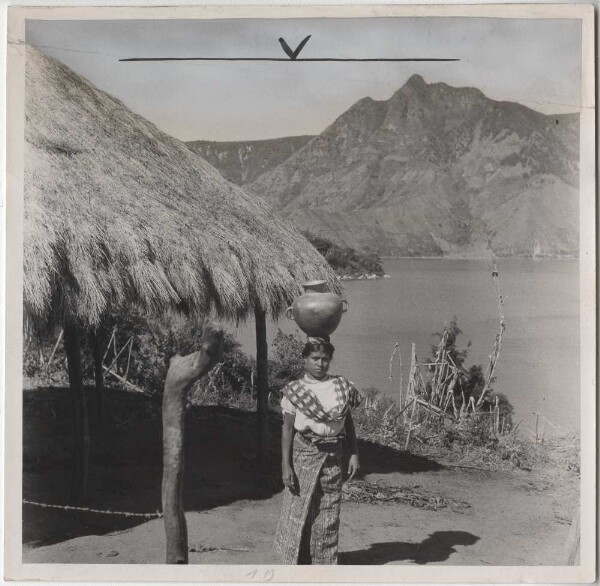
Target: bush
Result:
[155, 341]
[471, 380]
[346, 261]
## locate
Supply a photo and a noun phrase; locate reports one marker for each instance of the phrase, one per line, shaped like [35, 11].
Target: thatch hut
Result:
[119, 214]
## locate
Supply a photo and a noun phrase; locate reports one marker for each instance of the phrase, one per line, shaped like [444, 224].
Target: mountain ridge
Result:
[243, 161]
[434, 170]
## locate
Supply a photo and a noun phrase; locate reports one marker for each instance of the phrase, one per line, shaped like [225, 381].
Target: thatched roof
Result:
[118, 214]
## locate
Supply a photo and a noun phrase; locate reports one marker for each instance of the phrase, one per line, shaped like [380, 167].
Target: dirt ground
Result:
[491, 518]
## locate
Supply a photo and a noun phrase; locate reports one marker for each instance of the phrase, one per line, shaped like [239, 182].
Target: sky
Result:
[534, 62]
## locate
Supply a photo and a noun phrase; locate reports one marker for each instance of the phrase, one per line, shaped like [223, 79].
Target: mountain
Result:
[243, 162]
[434, 170]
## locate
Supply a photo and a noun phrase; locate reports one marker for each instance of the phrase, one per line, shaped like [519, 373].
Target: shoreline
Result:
[477, 257]
[363, 277]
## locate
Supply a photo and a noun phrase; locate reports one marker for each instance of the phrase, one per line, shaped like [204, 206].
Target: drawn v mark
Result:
[293, 54]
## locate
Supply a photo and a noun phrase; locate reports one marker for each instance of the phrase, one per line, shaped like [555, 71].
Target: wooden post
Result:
[81, 435]
[173, 419]
[98, 375]
[183, 372]
[262, 388]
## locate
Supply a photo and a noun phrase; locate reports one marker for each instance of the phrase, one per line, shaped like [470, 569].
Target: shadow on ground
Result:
[438, 547]
[126, 462]
[125, 469]
[377, 458]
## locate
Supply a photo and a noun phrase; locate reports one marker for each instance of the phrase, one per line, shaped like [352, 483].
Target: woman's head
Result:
[317, 355]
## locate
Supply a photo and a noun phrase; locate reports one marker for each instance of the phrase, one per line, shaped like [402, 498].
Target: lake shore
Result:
[480, 256]
[363, 277]
[541, 311]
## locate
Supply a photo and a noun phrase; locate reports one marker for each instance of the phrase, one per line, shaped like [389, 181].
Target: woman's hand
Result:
[289, 479]
[353, 466]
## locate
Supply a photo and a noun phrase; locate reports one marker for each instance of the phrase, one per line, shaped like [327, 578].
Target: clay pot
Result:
[317, 312]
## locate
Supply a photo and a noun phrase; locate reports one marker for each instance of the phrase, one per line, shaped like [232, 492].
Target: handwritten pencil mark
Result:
[293, 54]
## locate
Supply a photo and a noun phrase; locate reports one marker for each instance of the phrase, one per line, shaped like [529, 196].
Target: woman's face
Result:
[317, 364]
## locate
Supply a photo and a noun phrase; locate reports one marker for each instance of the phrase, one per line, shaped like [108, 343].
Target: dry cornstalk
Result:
[497, 415]
[410, 386]
[107, 368]
[114, 332]
[406, 406]
[55, 347]
[410, 389]
[128, 359]
[433, 409]
[471, 404]
[454, 408]
[400, 381]
[410, 427]
[123, 381]
[497, 344]
[391, 375]
[450, 390]
[387, 411]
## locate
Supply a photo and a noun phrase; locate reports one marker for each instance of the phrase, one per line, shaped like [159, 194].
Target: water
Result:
[538, 368]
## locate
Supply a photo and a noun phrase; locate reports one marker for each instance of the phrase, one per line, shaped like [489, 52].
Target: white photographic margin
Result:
[14, 569]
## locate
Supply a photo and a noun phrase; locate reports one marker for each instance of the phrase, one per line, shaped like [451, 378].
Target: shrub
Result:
[471, 380]
[346, 261]
[286, 363]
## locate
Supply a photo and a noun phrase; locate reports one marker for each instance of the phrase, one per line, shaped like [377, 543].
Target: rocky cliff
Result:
[243, 162]
[433, 170]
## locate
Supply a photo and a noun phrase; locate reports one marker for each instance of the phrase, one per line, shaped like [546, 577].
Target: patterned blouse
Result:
[320, 406]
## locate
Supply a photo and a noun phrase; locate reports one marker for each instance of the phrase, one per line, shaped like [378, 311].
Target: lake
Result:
[538, 369]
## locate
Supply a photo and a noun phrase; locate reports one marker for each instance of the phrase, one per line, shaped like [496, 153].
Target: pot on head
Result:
[317, 312]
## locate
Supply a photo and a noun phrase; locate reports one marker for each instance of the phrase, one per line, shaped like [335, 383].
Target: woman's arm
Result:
[354, 463]
[287, 441]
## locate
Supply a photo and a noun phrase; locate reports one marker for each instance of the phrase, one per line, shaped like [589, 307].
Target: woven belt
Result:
[319, 441]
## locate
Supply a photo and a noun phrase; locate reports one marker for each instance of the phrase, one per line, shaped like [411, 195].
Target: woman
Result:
[316, 418]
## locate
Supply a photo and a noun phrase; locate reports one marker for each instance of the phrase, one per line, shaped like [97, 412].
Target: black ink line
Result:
[132, 59]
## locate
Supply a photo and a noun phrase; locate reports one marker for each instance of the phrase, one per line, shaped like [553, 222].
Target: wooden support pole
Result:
[183, 372]
[173, 419]
[262, 388]
[98, 375]
[81, 434]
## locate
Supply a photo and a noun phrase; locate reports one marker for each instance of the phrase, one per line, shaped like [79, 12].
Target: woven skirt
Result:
[308, 528]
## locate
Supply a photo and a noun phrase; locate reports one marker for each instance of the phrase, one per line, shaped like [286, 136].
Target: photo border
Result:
[14, 568]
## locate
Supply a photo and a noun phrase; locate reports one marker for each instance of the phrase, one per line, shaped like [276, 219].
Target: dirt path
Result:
[512, 520]
[493, 518]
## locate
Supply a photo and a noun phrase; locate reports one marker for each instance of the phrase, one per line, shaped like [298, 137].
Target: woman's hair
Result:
[314, 344]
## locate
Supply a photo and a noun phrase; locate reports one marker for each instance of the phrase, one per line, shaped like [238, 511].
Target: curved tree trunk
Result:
[183, 372]
[173, 418]
[81, 434]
